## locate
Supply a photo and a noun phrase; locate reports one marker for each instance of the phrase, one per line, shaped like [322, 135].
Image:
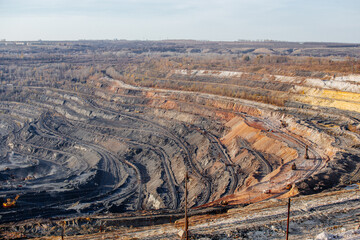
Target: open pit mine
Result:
[91, 129]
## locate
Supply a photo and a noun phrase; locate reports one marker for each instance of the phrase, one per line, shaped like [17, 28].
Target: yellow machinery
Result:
[10, 203]
[224, 202]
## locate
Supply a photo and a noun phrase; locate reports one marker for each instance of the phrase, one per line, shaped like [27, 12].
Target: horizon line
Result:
[174, 39]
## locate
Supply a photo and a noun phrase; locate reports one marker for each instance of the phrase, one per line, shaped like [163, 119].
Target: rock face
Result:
[76, 153]
[96, 150]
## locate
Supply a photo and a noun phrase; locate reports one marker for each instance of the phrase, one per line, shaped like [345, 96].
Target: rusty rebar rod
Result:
[63, 230]
[186, 215]
[288, 220]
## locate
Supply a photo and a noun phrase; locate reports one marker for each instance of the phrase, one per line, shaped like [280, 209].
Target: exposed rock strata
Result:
[115, 147]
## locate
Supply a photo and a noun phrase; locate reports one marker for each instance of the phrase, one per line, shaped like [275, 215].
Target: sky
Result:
[215, 20]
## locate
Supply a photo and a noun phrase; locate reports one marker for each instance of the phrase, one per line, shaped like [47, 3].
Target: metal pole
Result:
[63, 231]
[186, 216]
[288, 221]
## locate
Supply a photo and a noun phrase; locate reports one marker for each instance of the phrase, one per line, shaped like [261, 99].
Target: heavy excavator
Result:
[10, 203]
